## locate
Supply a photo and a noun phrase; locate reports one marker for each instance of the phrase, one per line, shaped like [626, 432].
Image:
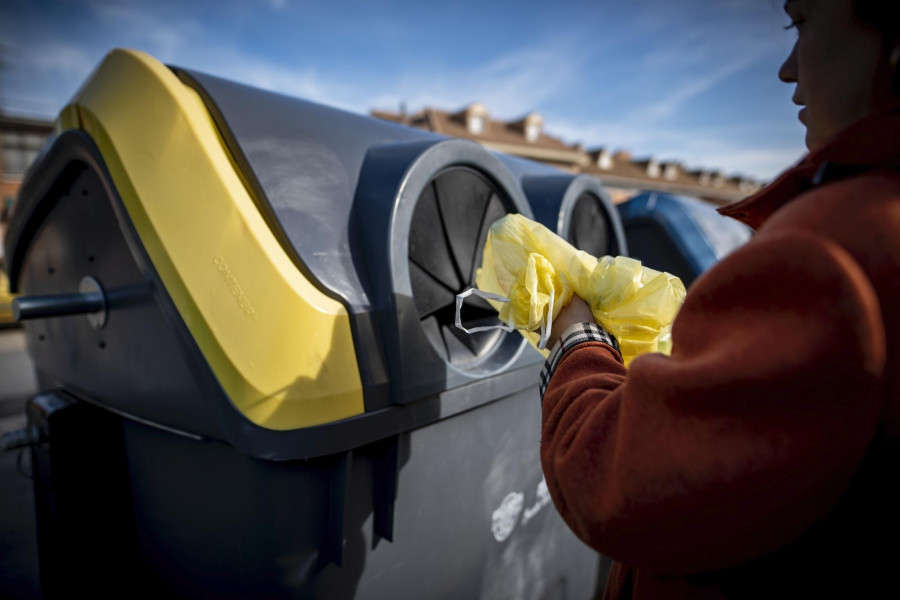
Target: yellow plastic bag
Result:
[528, 274]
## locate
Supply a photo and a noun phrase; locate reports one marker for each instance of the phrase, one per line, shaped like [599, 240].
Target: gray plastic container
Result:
[146, 477]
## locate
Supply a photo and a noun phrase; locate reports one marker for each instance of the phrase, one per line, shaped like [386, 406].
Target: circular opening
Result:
[449, 227]
[589, 229]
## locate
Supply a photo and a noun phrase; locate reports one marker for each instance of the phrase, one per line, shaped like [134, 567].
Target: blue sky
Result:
[688, 80]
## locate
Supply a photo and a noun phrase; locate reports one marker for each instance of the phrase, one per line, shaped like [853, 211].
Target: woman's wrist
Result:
[575, 334]
[576, 311]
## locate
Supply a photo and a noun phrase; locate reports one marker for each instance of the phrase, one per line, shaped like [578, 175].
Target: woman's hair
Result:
[883, 15]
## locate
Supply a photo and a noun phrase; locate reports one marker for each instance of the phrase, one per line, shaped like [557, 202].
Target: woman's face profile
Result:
[838, 64]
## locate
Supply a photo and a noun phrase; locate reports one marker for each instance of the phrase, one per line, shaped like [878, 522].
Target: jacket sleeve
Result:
[740, 440]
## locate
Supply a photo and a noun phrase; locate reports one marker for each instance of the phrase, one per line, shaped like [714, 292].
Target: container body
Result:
[262, 413]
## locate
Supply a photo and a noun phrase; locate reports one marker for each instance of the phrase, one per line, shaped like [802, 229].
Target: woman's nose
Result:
[788, 71]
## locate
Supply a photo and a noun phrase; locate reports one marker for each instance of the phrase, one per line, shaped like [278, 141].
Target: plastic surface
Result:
[539, 271]
[146, 363]
[197, 499]
[83, 503]
[448, 231]
[68, 224]
[215, 524]
[683, 236]
[392, 184]
[302, 160]
[340, 191]
[280, 348]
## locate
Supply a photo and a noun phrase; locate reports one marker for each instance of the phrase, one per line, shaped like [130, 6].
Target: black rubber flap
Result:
[590, 226]
[447, 236]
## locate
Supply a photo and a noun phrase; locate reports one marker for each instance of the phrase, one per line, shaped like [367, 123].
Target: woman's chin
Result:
[813, 139]
[810, 141]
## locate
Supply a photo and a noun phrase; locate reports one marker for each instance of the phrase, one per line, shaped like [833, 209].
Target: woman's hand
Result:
[576, 311]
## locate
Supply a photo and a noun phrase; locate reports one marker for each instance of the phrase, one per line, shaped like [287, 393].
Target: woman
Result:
[757, 461]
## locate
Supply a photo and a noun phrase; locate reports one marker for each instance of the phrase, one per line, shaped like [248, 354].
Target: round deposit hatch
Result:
[449, 227]
[589, 229]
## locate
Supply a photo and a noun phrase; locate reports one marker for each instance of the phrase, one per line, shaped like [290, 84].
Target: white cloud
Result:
[644, 111]
[509, 84]
[171, 38]
[762, 163]
[166, 37]
[672, 69]
[303, 82]
[714, 148]
[689, 88]
[55, 55]
[684, 64]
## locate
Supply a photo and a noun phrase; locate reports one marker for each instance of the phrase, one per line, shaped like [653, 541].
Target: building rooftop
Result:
[525, 137]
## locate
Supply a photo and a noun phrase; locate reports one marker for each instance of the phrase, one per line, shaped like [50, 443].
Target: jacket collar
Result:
[872, 142]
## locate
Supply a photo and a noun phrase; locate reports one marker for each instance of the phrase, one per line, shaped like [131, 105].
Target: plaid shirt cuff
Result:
[578, 333]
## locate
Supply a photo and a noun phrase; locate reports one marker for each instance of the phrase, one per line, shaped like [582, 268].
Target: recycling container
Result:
[680, 235]
[575, 207]
[240, 306]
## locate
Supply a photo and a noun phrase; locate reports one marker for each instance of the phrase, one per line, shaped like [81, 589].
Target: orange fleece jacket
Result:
[736, 459]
